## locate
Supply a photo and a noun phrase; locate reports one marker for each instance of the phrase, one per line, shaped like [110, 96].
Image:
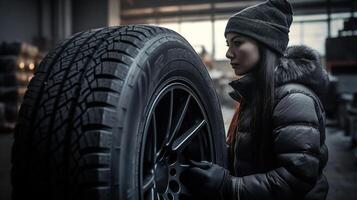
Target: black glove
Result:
[208, 181]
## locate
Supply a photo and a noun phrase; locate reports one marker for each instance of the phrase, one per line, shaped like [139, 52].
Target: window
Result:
[310, 30]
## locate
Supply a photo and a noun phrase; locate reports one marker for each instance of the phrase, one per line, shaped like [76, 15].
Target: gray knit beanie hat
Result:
[267, 22]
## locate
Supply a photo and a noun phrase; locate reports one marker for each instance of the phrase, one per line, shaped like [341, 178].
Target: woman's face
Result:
[243, 53]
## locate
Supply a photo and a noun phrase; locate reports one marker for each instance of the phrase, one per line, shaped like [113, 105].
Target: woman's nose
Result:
[229, 54]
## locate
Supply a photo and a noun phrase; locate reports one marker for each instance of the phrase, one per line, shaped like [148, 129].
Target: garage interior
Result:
[30, 28]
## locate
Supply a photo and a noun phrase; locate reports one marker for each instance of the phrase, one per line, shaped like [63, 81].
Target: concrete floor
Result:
[341, 170]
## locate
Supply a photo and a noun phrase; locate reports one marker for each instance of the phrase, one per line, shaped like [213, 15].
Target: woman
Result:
[276, 138]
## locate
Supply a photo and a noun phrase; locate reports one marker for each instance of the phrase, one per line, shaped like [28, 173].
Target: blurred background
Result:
[29, 28]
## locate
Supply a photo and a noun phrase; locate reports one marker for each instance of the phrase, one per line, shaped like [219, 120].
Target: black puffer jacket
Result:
[298, 151]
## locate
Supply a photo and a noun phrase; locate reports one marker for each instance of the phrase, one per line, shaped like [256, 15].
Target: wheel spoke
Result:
[170, 112]
[152, 195]
[180, 143]
[158, 196]
[151, 142]
[183, 112]
[160, 152]
[148, 182]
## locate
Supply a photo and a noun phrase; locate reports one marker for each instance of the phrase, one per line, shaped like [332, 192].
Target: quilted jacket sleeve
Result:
[296, 140]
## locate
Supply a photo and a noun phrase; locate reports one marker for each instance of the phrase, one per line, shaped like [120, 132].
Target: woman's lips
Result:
[234, 65]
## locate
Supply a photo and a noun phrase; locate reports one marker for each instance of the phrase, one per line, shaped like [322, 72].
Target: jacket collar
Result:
[242, 87]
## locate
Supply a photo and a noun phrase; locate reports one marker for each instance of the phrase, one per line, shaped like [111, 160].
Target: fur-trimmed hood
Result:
[301, 64]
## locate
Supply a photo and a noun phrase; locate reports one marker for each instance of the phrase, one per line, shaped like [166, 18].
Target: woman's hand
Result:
[208, 181]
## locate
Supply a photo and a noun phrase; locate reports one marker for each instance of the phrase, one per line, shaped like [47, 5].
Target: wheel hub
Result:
[161, 173]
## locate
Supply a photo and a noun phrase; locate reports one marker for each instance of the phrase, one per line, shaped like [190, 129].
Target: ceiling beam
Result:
[205, 11]
[135, 4]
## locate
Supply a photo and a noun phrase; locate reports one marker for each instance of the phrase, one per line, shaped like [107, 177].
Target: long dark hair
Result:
[260, 106]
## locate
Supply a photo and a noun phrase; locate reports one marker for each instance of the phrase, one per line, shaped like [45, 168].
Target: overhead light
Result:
[22, 65]
[31, 66]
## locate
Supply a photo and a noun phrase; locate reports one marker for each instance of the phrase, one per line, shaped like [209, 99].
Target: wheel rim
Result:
[176, 130]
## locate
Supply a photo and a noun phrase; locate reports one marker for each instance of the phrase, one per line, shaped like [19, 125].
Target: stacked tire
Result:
[13, 80]
[8, 92]
[116, 113]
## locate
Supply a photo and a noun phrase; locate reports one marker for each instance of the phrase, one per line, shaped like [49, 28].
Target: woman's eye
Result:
[237, 43]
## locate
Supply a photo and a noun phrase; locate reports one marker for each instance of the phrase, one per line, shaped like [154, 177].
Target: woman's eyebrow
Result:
[237, 36]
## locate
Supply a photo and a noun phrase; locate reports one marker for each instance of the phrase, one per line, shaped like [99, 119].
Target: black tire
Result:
[2, 113]
[8, 64]
[11, 111]
[8, 79]
[83, 128]
[9, 94]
